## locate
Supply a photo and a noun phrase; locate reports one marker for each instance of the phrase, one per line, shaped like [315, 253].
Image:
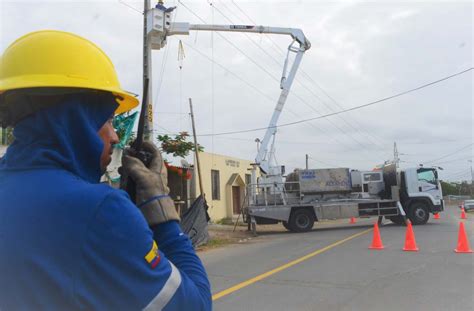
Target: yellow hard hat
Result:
[57, 59]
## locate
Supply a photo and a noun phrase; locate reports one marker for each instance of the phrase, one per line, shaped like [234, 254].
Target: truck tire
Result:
[286, 225]
[418, 213]
[398, 220]
[301, 220]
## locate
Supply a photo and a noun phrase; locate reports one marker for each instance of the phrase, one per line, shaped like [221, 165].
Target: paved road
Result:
[348, 276]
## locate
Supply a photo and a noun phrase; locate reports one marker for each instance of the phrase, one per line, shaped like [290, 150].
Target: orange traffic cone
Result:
[436, 216]
[377, 240]
[463, 242]
[353, 220]
[463, 213]
[410, 243]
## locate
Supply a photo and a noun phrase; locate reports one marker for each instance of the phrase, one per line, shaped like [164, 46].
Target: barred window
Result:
[215, 183]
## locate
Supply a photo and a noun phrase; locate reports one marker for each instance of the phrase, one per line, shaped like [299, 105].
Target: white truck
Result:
[310, 195]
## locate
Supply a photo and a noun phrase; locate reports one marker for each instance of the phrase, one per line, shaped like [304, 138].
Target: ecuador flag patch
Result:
[153, 256]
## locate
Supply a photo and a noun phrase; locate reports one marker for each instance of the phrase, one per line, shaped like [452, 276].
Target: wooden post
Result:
[198, 164]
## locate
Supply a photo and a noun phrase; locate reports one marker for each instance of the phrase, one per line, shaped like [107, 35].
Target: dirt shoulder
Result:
[222, 235]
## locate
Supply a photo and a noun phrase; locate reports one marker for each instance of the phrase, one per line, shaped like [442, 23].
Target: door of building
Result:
[236, 205]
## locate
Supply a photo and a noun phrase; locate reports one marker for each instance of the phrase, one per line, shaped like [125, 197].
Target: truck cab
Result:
[420, 193]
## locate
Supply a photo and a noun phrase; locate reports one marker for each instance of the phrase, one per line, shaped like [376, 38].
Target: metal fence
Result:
[268, 194]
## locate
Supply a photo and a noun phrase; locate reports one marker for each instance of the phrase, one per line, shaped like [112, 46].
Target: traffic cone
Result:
[463, 213]
[463, 242]
[410, 243]
[377, 240]
[436, 216]
[353, 220]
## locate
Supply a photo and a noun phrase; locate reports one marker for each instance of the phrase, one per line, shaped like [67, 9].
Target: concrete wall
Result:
[228, 167]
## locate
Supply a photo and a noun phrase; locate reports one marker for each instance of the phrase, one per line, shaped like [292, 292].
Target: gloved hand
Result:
[151, 185]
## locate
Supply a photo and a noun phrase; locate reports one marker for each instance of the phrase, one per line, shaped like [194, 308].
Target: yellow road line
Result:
[283, 267]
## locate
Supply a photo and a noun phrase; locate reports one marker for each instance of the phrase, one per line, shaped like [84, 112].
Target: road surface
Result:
[331, 268]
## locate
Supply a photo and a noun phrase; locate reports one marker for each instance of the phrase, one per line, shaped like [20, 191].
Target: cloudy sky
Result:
[361, 52]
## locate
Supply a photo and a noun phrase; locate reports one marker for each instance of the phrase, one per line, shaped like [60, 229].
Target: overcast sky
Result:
[361, 52]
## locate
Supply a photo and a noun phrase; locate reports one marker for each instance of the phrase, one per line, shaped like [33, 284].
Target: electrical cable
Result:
[315, 118]
[455, 160]
[130, 7]
[266, 96]
[358, 129]
[275, 78]
[322, 162]
[349, 109]
[450, 154]
[458, 176]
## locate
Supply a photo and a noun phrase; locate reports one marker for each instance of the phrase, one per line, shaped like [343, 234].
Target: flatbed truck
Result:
[307, 196]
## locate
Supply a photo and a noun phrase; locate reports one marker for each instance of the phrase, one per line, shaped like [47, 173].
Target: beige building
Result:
[224, 179]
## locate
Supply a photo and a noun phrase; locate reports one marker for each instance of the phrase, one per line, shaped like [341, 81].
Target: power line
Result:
[163, 68]
[458, 175]
[450, 154]
[269, 98]
[322, 162]
[349, 109]
[231, 43]
[270, 74]
[130, 7]
[308, 89]
[455, 160]
[358, 129]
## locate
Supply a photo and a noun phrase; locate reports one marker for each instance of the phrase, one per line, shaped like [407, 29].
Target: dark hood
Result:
[62, 136]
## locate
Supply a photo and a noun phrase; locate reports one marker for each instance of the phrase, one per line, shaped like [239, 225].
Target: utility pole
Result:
[307, 157]
[196, 148]
[147, 66]
[396, 157]
[472, 177]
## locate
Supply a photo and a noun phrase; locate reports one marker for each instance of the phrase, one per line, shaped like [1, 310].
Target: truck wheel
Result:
[301, 220]
[419, 213]
[398, 220]
[286, 225]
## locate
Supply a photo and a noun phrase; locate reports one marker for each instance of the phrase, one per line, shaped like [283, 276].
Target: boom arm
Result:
[160, 26]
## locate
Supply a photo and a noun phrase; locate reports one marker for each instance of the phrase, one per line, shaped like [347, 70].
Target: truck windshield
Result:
[427, 175]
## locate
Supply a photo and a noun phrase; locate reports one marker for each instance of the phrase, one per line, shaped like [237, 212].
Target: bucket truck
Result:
[310, 195]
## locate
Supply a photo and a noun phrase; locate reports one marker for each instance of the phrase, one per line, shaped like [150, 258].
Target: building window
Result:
[248, 179]
[216, 185]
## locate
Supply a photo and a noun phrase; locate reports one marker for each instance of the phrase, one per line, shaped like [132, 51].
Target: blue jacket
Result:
[68, 242]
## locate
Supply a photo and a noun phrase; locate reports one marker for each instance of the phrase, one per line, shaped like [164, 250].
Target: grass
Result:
[215, 243]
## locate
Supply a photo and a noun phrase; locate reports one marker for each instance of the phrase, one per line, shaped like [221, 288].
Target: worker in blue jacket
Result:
[68, 242]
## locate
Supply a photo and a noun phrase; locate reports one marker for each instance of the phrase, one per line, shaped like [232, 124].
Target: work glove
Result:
[151, 194]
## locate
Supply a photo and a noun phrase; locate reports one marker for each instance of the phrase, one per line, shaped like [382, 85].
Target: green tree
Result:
[179, 146]
[449, 188]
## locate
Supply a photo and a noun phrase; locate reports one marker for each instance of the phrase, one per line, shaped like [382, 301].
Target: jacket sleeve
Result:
[177, 247]
[124, 268]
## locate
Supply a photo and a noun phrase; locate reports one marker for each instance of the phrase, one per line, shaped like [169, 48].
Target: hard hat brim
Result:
[127, 101]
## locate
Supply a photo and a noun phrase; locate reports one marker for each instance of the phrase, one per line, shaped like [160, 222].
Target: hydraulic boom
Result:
[160, 27]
